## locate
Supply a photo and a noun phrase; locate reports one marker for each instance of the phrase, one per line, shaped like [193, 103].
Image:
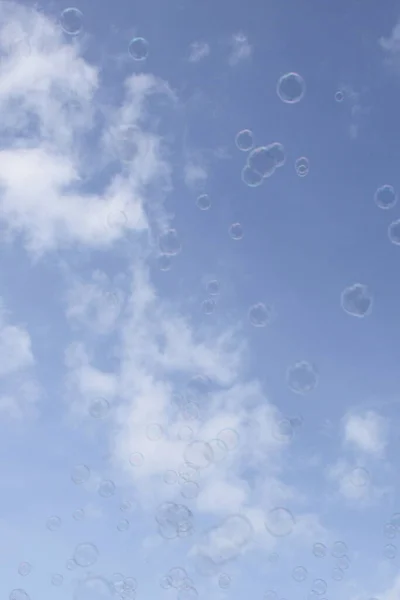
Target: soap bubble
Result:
[260, 315]
[71, 21]
[319, 586]
[164, 262]
[279, 522]
[86, 554]
[94, 588]
[250, 177]
[356, 300]
[123, 525]
[224, 581]
[385, 197]
[299, 574]
[198, 454]
[24, 569]
[302, 166]
[302, 377]
[244, 140]
[19, 594]
[208, 306]
[136, 459]
[339, 549]
[53, 523]
[154, 432]
[80, 474]
[359, 477]
[262, 161]
[213, 287]
[203, 202]
[78, 514]
[390, 551]
[169, 242]
[291, 88]
[319, 550]
[106, 488]
[99, 408]
[57, 579]
[138, 48]
[339, 96]
[170, 477]
[229, 437]
[236, 231]
[394, 232]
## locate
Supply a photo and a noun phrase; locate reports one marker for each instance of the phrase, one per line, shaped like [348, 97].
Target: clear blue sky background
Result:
[87, 312]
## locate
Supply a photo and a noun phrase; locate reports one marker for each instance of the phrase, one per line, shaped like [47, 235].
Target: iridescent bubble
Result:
[262, 160]
[57, 579]
[203, 202]
[123, 525]
[208, 306]
[53, 523]
[260, 315]
[99, 408]
[299, 574]
[251, 177]
[385, 197]
[78, 514]
[138, 48]
[154, 432]
[337, 574]
[24, 569]
[18, 594]
[80, 474]
[359, 477]
[169, 242]
[164, 262]
[279, 522]
[244, 140]
[302, 166]
[394, 232]
[106, 488]
[94, 588]
[302, 377]
[390, 551]
[224, 581]
[229, 437]
[190, 490]
[319, 586]
[136, 459]
[71, 21]
[198, 454]
[236, 231]
[339, 549]
[291, 88]
[170, 477]
[319, 550]
[86, 554]
[339, 96]
[213, 287]
[356, 300]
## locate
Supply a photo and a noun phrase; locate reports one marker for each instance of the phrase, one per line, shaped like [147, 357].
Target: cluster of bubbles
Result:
[385, 197]
[302, 166]
[124, 587]
[174, 520]
[178, 579]
[262, 162]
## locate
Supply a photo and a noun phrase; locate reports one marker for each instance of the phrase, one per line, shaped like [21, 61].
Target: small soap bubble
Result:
[390, 551]
[106, 488]
[71, 21]
[123, 525]
[78, 514]
[99, 408]
[244, 140]
[86, 554]
[291, 88]
[236, 231]
[299, 574]
[203, 202]
[302, 166]
[24, 569]
[136, 459]
[224, 581]
[138, 48]
[57, 579]
[80, 474]
[53, 523]
[208, 306]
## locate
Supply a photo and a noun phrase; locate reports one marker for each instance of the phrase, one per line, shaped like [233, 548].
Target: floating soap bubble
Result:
[57, 579]
[224, 581]
[356, 300]
[273, 558]
[339, 549]
[188, 473]
[394, 232]
[71, 564]
[130, 583]
[123, 525]
[169, 242]
[177, 575]
[136, 459]
[99, 408]
[339, 96]
[80, 474]
[190, 490]
[190, 411]
[164, 262]
[213, 287]
[302, 166]
[166, 582]
[78, 514]
[277, 152]
[236, 231]
[86, 554]
[94, 588]
[138, 48]
[53, 523]
[395, 520]
[282, 430]
[250, 177]
[174, 520]
[24, 569]
[170, 477]
[244, 140]
[198, 454]
[260, 315]
[154, 432]
[343, 563]
[385, 197]
[279, 522]
[208, 306]
[319, 586]
[299, 574]
[106, 488]
[118, 582]
[390, 551]
[203, 202]
[291, 88]
[359, 477]
[71, 21]
[337, 574]
[302, 377]
[229, 437]
[262, 160]
[19, 594]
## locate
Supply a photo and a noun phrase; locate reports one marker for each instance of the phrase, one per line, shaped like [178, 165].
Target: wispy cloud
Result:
[198, 51]
[241, 49]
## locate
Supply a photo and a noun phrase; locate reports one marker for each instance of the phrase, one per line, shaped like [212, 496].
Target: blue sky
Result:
[176, 399]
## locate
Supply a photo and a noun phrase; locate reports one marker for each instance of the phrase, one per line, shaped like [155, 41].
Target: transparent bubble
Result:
[299, 574]
[208, 306]
[273, 558]
[236, 231]
[276, 150]
[187, 593]
[337, 574]
[24, 569]
[166, 582]
[130, 583]
[174, 520]
[319, 586]
[385, 197]
[244, 140]
[339, 549]
[94, 588]
[57, 579]
[302, 166]
[190, 411]
[169, 243]
[282, 430]
[118, 582]
[188, 473]
[339, 96]
[71, 564]
[390, 551]
[154, 432]
[177, 575]
[219, 448]
[123, 525]
[224, 581]
[138, 48]
[170, 477]
[19, 594]
[302, 377]
[291, 88]
[395, 520]
[260, 315]
[86, 554]
[359, 477]
[99, 408]
[164, 262]
[198, 454]
[320, 550]
[226, 541]
[185, 433]
[136, 459]
[343, 563]
[279, 522]
[80, 474]
[78, 514]
[394, 232]
[251, 177]
[126, 506]
[203, 202]
[262, 160]
[213, 287]
[53, 523]
[71, 21]
[106, 488]
[229, 437]
[356, 300]
[190, 490]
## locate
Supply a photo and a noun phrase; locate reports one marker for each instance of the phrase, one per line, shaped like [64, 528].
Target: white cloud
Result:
[240, 49]
[366, 432]
[198, 51]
